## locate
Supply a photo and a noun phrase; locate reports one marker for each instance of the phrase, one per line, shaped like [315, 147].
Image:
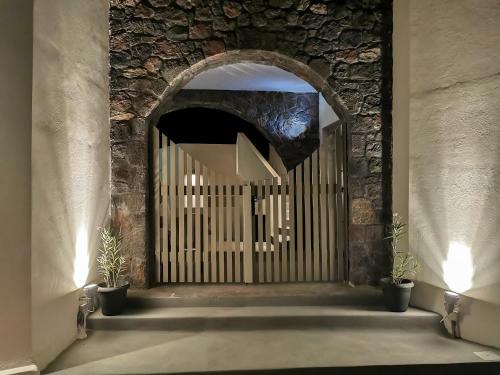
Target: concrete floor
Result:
[218, 328]
[164, 352]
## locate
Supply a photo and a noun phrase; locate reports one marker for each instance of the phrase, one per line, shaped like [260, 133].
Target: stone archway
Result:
[165, 102]
[343, 50]
[291, 65]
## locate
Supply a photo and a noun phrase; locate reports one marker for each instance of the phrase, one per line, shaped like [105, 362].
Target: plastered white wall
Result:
[326, 116]
[70, 162]
[220, 158]
[16, 20]
[276, 162]
[250, 164]
[447, 89]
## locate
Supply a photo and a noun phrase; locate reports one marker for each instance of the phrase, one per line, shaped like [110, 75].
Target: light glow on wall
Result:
[81, 263]
[458, 268]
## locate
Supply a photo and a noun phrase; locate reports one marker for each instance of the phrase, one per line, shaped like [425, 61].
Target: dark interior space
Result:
[205, 125]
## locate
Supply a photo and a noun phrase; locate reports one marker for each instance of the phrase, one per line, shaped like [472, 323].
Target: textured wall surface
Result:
[70, 163]
[454, 144]
[289, 121]
[346, 43]
[16, 43]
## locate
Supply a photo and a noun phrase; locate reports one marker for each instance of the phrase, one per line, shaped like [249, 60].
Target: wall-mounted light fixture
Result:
[81, 318]
[90, 292]
[452, 311]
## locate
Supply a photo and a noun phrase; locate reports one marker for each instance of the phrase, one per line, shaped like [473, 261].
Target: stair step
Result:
[300, 294]
[261, 317]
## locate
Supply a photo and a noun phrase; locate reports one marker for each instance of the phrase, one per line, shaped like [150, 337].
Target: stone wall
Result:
[289, 121]
[340, 46]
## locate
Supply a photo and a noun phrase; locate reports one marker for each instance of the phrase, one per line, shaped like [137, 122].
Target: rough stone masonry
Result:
[346, 42]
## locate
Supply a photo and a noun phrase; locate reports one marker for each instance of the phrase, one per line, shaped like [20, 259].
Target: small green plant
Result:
[404, 264]
[110, 263]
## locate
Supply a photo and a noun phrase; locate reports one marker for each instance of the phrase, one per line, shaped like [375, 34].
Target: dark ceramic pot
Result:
[112, 300]
[396, 296]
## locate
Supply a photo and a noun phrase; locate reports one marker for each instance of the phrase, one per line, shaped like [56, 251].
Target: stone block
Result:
[200, 31]
[143, 11]
[203, 14]
[374, 232]
[231, 9]
[358, 145]
[374, 149]
[316, 47]
[375, 165]
[358, 166]
[357, 233]
[222, 24]
[318, 9]
[362, 211]
[321, 66]
[281, 3]
[186, 4]
[213, 47]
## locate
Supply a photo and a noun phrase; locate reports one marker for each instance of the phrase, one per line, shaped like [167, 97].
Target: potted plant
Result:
[110, 264]
[397, 288]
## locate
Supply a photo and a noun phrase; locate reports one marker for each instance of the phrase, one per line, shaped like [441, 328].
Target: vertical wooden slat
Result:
[339, 205]
[247, 235]
[197, 223]
[213, 228]
[237, 234]
[165, 202]
[267, 228]
[229, 233]
[157, 193]
[189, 218]
[324, 212]
[307, 217]
[260, 232]
[173, 212]
[276, 240]
[315, 216]
[331, 214]
[205, 213]
[300, 225]
[292, 224]
[220, 223]
[181, 195]
[345, 211]
[284, 231]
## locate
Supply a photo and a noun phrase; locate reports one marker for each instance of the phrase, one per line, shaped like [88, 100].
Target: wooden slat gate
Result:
[208, 230]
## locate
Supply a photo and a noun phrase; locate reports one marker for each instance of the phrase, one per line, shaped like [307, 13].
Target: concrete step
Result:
[240, 295]
[263, 318]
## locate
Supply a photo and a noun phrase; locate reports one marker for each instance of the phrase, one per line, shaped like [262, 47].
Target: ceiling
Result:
[249, 77]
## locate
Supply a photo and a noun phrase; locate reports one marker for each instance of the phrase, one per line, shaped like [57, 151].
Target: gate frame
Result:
[301, 70]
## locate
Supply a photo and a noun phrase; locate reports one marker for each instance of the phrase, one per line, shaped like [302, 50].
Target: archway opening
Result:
[267, 224]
